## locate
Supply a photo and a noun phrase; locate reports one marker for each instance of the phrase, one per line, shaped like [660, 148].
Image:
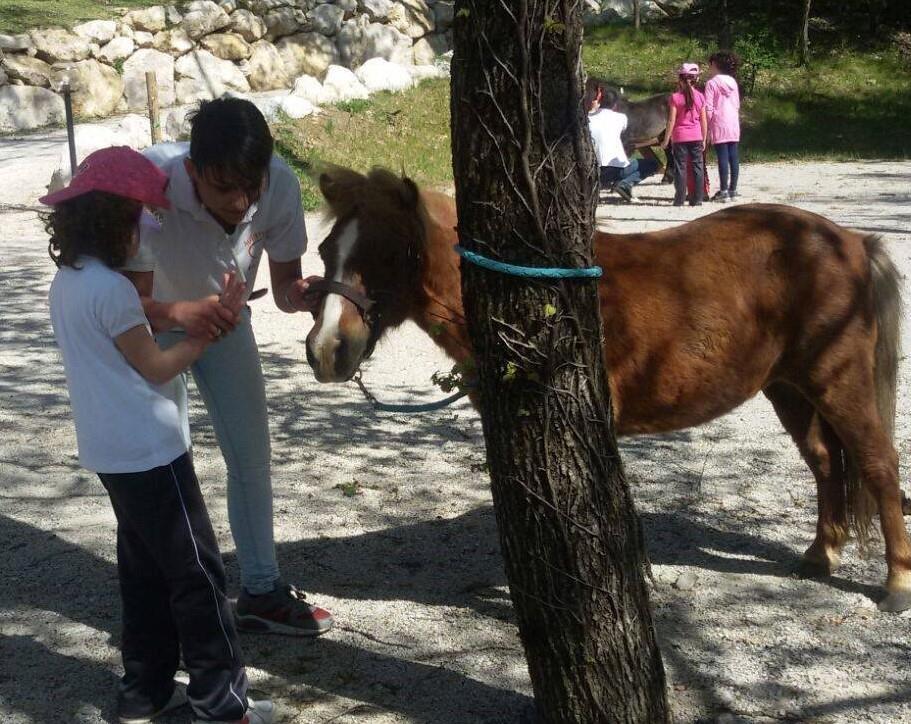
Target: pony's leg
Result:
[648, 152]
[821, 450]
[848, 404]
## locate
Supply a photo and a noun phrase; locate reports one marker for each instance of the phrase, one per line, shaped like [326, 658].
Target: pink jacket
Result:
[722, 105]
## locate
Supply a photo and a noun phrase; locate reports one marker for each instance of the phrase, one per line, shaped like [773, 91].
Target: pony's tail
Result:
[887, 302]
[887, 308]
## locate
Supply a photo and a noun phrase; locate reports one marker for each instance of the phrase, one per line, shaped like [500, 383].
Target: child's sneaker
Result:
[283, 611]
[624, 192]
[177, 700]
[258, 712]
[722, 197]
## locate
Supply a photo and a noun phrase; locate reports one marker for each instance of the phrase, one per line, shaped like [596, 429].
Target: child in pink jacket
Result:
[722, 105]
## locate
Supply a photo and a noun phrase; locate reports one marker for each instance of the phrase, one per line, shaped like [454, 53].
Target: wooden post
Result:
[152, 90]
[67, 94]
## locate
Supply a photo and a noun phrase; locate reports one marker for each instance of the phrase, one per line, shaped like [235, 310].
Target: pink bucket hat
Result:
[118, 170]
[688, 69]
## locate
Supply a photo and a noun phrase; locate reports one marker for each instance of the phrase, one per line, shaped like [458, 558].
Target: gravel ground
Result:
[387, 521]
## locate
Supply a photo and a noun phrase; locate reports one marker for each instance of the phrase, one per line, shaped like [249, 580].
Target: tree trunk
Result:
[637, 15]
[725, 39]
[526, 188]
[804, 44]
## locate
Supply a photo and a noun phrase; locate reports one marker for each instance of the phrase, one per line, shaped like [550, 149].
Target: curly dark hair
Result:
[727, 61]
[95, 224]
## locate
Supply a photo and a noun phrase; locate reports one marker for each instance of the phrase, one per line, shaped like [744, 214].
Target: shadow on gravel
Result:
[49, 583]
[84, 590]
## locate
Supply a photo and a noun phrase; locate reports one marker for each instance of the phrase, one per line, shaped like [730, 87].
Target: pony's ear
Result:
[337, 184]
[409, 193]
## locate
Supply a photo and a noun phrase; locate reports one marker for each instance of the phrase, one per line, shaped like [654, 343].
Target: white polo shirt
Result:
[191, 252]
[124, 424]
[606, 126]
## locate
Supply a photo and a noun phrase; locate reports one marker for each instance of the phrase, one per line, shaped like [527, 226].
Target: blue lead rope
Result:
[528, 272]
[420, 407]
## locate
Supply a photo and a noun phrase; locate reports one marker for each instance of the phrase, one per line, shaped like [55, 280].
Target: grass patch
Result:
[849, 104]
[17, 16]
[406, 131]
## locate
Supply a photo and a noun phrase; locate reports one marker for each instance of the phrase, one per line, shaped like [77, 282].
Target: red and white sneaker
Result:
[283, 611]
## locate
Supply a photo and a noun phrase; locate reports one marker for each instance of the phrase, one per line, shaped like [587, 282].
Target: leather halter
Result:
[328, 286]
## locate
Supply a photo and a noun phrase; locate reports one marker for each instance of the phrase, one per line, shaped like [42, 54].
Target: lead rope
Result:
[386, 407]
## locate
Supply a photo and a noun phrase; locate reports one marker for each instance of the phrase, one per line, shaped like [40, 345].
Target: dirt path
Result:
[409, 562]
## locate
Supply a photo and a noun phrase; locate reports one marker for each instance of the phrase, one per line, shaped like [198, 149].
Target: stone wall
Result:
[598, 12]
[204, 49]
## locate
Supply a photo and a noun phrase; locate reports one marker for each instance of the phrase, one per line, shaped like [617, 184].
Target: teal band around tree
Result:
[528, 272]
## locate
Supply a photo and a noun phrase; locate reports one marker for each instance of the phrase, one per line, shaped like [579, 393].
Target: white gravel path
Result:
[410, 565]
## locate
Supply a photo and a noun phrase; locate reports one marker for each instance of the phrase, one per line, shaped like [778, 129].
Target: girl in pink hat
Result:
[687, 127]
[130, 431]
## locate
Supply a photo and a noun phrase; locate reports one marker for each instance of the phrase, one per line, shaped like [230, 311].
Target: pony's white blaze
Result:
[327, 340]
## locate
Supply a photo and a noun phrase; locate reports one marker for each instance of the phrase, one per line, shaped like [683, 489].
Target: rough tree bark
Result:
[803, 46]
[526, 191]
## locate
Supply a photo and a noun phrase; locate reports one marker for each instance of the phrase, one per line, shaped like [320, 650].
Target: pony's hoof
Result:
[811, 568]
[896, 602]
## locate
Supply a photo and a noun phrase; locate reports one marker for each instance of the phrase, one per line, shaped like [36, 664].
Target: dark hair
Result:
[610, 99]
[687, 81]
[95, 224]
[230, 138]
[727, 61]
[592, 88]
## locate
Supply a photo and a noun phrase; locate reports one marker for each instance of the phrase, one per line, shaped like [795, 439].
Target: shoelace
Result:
[296, 594]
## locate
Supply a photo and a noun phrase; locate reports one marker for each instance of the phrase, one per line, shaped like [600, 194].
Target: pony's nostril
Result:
[341, 355]
[311, 358]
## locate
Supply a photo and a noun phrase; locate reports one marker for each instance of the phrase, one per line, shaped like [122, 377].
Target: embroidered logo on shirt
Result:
[255, 239]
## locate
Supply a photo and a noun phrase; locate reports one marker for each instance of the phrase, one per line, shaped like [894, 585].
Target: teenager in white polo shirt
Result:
[231, 200]
[607, 125]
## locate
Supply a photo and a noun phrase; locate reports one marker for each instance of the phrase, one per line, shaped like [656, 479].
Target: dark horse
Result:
[647, 119]
[646, 122]
[697, 319]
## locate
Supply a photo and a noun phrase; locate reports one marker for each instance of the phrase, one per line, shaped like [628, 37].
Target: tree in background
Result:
[803, 46]
[526, 191]
[725, 35]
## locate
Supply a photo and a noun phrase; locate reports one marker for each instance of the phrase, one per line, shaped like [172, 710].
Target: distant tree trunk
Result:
[526, 189]
[804, 44]
[725, 36]
[637, 15]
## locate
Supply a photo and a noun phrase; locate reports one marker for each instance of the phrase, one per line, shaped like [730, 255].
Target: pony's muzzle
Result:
[335, 357]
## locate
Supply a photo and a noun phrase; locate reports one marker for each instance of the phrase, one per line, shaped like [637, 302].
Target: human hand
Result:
[299, 296]
[206, 317]
[232, 292]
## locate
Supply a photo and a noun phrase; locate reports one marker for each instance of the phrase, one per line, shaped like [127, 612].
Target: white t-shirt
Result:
[606, 127]
[191, 252]
[124, 424]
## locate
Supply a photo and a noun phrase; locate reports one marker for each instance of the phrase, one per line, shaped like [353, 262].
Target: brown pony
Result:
[697, 320]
